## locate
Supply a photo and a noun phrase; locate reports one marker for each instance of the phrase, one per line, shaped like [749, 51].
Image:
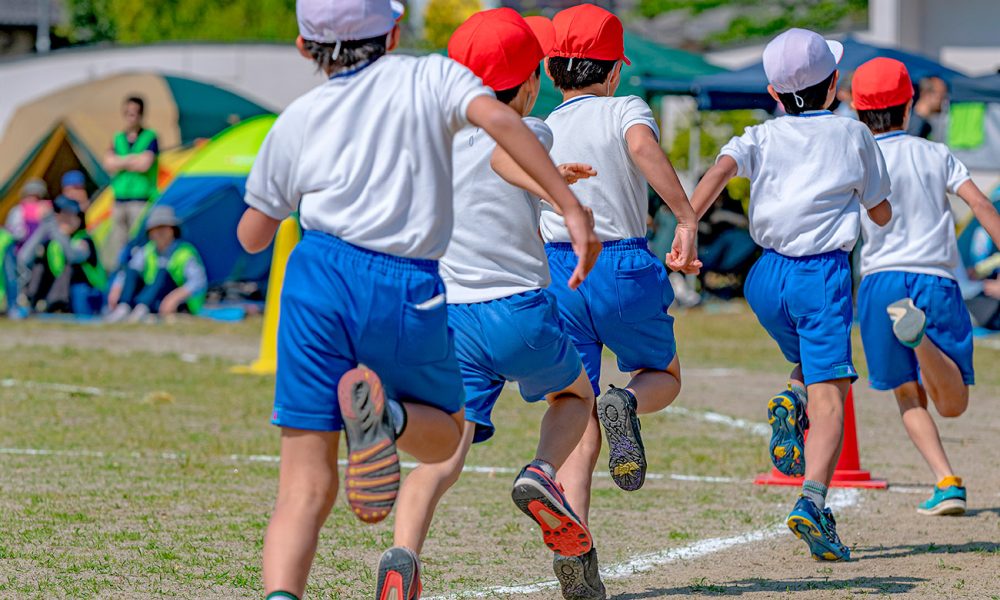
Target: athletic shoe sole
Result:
[807, 531]
[945, 508]
[571, 573]
[372, 477]
[627, 455]
[787, 450]
[398, 575]
[561, 531]
[908, 322]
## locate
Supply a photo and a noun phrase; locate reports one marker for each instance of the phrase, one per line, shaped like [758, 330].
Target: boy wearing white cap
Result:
[810, 172]
[372, 184]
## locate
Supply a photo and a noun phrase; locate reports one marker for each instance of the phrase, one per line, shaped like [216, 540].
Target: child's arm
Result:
[712, 184]
[881, 213]
[653, 163]
[982, 208]
[508, 170]
[256, 230]
[506, 127]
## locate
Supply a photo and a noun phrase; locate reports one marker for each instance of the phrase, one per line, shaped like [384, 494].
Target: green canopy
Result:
[649, 60]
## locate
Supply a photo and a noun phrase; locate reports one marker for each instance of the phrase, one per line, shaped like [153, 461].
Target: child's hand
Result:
[683, 255]
[573, 172]
[586, 246]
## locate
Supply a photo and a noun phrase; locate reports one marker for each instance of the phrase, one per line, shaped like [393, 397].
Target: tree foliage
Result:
[442, 17]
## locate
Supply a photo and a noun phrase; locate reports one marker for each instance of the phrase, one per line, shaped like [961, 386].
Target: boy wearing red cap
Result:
[362, 287]
[506, 325]
[810, 173]
[915, 328]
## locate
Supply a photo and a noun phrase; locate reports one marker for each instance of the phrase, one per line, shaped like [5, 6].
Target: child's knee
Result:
[956, 407]
[309, 497]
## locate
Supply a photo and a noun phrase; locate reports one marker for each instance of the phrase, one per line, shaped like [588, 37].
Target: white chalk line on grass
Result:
[839, 500]
[758, 429]
[59, 387]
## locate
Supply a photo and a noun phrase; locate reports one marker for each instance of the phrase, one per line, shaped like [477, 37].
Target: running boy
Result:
[915, 327]
[810, 172]
[506, 326]
[363, 285]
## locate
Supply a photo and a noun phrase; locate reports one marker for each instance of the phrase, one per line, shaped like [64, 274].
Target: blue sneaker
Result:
[949, 500]
[818, 529]
[787, 416]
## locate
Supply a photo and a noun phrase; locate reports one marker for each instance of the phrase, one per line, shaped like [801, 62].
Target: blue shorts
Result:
[518, 338]
[890, 363]
[341, 306]
[622, 304]
[804, 303]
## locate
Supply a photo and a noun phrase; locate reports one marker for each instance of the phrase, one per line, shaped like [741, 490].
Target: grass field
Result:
[154, 477]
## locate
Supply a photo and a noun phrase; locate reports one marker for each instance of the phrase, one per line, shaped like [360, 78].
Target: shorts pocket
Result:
[640, 293]
[423, 333]
[805, 292]
[535, 318]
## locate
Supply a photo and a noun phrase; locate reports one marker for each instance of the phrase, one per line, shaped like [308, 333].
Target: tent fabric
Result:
[985, 156]
[975, 89]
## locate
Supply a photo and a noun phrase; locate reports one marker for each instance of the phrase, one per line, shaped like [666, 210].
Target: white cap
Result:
[799, 58]
[330, 21]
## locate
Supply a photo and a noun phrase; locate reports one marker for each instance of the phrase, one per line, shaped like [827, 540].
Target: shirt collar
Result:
[890, 134]
[812, 113]
[574, 101]
[355, 70]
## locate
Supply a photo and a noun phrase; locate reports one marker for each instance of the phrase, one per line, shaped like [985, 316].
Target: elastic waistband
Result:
[385, 263]
[835, 254]
[626, 245]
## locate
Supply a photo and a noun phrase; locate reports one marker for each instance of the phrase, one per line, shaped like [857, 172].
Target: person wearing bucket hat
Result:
[24, 218]
[494, 272]
[916, 330]
[165, 276]
[810, 174]
[74, 187]
[376, 224]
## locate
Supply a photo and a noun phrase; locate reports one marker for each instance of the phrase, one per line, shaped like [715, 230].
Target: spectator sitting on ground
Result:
[74, 187]
[981, 283]
[9, 289]
[929, 104]
[724, 244]
[26, 217]
[163, 277]
[61, 257]
[845, 98]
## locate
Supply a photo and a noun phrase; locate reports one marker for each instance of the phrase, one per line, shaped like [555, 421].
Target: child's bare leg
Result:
[796, 378]
[565, 421]
[421, 491]
[921, 428]
[431, 435]
[826, 430]
[655, 390]
[577, 472]
[307, 487]
[943, 379]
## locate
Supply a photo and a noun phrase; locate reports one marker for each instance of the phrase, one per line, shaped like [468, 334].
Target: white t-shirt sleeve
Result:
[744, 150]
[457, 86]
[957, 173]
[541, 131]
[635, 111]
[877, 185]
[271, 186]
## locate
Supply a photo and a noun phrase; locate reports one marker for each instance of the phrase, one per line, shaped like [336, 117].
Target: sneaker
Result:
[398, 575]
[627, 456]
[949, 500]
[138, 314]
[818, 529]
[684, 294]
[787, 416]
[118, 314]
[17, 313]
[908, 322]
[372, 477]
[579, 576]
[542, 499]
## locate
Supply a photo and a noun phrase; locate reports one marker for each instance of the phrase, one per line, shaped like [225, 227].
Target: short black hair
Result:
[585, 73]
[884, 119]
[507, 96]
[138, 101]
[351, 53]
[813, 97]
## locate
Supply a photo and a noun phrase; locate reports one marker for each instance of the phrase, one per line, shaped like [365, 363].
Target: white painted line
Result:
[758, 429]
[839, 500]
[58, 387]
[909, 489]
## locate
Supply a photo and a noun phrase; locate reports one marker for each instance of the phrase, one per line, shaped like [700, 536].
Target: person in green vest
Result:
[61, 257]
[164, 277]
[8, 277]
[132, 162]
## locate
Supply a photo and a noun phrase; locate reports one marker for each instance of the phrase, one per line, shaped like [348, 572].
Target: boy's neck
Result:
[597, 89]
[893, 130]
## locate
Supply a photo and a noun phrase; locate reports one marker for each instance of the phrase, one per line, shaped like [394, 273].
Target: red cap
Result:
[588, 31]
[498, 46]
[544, 31]
[881, 83]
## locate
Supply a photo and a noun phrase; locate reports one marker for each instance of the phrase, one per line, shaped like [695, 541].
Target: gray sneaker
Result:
[626, 454]
[579, 576]
[908, 322]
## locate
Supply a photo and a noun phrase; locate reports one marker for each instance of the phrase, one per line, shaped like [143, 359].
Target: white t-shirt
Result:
[920, 238]
[495, 250]
[366, 156]
[591, 130]
[809, 176]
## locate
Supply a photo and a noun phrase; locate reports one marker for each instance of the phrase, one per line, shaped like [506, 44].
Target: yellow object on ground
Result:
[267, 361]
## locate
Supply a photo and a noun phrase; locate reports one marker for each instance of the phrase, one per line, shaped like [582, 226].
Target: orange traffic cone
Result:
[848, 472]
